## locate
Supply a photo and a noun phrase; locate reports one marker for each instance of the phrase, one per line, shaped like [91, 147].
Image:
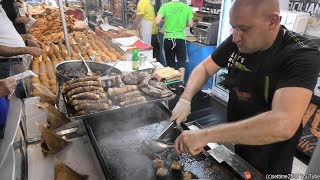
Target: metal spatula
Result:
[89, 72]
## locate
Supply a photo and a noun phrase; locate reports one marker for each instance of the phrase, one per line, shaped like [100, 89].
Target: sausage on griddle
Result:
[119, 81]
[176, 165]
[90, 106]
[186, 175]
[157, 163]
[67, 88]
[84, 89]
[133, 101]
[121, 90]
[87, 101]
[162, 172]
[85, 95]
[127, 96]
[83, 79]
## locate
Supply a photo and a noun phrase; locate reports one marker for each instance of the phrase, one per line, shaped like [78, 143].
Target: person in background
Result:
[12, 43]
[7, 86]
[177, 15]
[148, 29]
[19, 21]
[12, 11]
[272, 73]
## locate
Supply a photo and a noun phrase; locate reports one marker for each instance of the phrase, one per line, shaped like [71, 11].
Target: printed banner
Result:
[215, 5]
[311, 130]
[312, 7]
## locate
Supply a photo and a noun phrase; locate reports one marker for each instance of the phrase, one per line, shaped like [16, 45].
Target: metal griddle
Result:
[117, 139]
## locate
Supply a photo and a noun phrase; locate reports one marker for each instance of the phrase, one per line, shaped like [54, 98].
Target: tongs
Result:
[89, 72]
[109, 70]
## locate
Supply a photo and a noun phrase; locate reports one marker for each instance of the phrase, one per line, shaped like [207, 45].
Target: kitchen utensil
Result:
[93, 58]
[168, 129]
[109, 70]
[157, 145]
[77, 64]
[160, 145]
[118, 145]
[89, 72]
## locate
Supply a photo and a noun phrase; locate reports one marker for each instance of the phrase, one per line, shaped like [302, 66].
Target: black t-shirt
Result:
[292, 61]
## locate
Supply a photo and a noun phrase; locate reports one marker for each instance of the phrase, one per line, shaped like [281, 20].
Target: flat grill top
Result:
[119, 138]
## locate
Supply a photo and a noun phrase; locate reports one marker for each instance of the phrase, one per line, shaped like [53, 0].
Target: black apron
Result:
[251, 93]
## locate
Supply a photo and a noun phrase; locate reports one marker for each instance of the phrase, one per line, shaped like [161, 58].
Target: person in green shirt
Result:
[177, 15]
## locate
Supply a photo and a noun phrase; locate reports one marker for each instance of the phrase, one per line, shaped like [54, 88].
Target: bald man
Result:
[272, 74]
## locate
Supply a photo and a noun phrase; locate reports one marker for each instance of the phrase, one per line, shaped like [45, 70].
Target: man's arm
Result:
[136, 21]
[158, 19]
[14, 51]
[23, 19]
[279, 124]
[27, 36]
[30, 40]
[199, 77]
[190, 23]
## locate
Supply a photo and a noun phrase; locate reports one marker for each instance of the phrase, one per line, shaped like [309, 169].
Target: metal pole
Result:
[314, 164]
[64, 25]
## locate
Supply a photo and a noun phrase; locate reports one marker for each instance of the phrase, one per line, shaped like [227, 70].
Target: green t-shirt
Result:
[176, 16]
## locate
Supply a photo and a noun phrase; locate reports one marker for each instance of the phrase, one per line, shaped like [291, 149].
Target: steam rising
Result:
[120, 135]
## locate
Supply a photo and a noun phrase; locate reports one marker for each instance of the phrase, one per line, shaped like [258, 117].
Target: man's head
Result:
[255, 24]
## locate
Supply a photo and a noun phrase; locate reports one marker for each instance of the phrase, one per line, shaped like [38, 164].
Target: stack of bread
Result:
[167, 74]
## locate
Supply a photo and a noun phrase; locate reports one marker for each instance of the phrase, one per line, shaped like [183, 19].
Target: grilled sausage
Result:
[91, 106]
[133, 101]
[84, 89]
[67, 88]
[121, 90]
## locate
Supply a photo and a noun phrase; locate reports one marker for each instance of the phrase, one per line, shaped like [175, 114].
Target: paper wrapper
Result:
[55, 118]
[64, 172]
[45, 94]
[51, 142]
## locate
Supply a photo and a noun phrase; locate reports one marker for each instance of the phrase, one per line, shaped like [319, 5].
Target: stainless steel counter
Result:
[78, 155]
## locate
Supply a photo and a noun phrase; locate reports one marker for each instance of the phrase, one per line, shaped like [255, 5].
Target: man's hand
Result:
[33, 43]
[22, 19]
[191, 141]
[29, 36]
[7, 85]
[34, 51]
[181, 111]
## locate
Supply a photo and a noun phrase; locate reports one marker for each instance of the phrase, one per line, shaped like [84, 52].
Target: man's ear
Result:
[274, 20]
